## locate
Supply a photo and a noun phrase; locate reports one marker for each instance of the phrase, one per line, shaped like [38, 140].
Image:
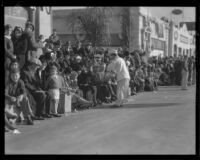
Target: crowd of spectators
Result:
[37, 72]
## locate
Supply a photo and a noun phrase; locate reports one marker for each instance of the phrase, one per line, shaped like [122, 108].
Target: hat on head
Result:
[128, 63]
[7, 27]
[98, 56]
[79, 57]
[35, 61]
[126, 53]
[52, 68]
[68, 42]
[29, 24]
[113, 52]
[68, 70]
[17, 28]
[15, 70]
[41, 36]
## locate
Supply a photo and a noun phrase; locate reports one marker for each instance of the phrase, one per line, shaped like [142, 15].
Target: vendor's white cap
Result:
[113, 52]
[78, 57]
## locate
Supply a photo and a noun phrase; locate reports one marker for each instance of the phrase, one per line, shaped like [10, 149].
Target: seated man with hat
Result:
[32, 85]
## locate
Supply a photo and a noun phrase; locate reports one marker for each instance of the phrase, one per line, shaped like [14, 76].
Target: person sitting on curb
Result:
[16, 98]
[35, 93]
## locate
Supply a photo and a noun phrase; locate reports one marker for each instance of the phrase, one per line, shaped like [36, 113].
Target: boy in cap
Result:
[53, 86]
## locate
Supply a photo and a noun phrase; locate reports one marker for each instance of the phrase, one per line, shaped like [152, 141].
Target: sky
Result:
[188, 12]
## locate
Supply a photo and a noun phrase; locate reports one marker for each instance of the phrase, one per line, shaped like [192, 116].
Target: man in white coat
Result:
[118, 66]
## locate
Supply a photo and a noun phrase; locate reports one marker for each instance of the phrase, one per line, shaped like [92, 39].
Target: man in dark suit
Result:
[33, 87]
[79, 50]
[32, 45]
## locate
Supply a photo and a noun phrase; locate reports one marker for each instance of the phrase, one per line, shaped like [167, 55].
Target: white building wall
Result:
[183, 35]
[45, 23]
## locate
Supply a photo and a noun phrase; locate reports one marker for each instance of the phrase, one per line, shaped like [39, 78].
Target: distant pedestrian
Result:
[184, 73]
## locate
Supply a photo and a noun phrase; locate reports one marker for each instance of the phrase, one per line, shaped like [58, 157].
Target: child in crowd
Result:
[53, 86]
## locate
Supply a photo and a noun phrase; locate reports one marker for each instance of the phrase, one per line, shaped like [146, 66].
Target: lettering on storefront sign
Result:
[157, 44]
[183, 39]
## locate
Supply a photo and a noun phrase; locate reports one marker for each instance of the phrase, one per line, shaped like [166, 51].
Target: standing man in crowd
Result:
[118, 66]
[32, 45]
[54, 38]
[184, 73]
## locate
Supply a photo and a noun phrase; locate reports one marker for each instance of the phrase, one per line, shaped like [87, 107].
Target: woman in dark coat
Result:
[9, 51]
[20, 45]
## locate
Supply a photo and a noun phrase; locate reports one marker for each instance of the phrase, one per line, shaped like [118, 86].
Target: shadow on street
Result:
[145, 105]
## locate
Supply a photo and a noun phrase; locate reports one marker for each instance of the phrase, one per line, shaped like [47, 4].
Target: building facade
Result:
[148, 33]
[181, 41]
[157, 37]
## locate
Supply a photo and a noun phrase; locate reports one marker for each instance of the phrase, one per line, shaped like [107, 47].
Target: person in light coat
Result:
[118, 66]
[184, 73]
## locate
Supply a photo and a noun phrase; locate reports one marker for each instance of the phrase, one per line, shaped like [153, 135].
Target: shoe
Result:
[29, 121]
[16, 131]
[39, 118]
[6, 129]
[50, 116]
[95, 103]
[46, 116]
[115, 106]
[19, 120]
[184, 89]
[33, 117]
[56, 115]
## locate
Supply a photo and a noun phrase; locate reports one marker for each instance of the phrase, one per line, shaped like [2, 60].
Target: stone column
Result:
[134, 28]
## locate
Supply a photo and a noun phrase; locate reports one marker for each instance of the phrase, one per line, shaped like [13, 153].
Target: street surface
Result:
[161, 122]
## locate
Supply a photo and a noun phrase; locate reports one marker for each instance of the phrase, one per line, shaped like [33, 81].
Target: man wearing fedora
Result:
[118, 66]
[32, 45]
[32, 84]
